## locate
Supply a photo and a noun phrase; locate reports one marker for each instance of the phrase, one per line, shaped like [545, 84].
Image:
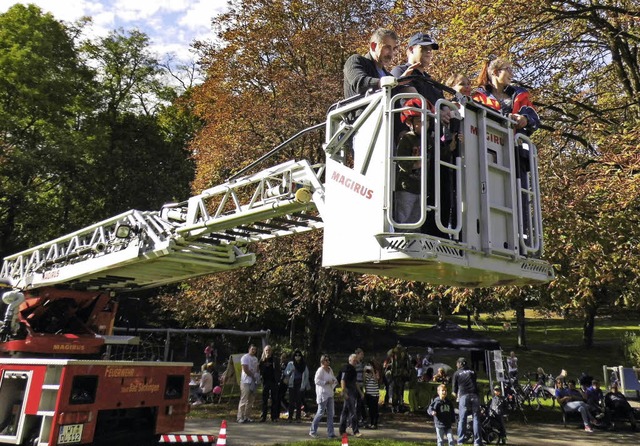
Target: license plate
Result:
[70, 433]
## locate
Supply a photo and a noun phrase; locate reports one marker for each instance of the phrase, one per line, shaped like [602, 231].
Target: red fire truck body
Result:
[68, 401]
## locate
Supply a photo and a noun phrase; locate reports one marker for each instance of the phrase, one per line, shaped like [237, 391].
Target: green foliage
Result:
[43, 138]
[85, 130]
[631, 345]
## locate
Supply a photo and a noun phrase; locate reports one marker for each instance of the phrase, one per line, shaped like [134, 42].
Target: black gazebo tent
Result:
[449, 335]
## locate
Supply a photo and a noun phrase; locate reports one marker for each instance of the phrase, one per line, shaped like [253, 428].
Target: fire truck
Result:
[479, 225]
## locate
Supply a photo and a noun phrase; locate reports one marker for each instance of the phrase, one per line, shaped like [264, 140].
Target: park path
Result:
[410, 429]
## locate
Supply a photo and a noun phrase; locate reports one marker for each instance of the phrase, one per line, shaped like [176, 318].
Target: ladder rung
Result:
[291, 222]
[494, 166]
[503, 209]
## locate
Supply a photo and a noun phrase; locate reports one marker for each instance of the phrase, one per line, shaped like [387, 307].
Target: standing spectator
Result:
[210, 354]
[371, 395]
[401, 373]
[283, 385]
[350, 390]
[386, 380]
[496, 411]
[512, 364]
[441, 410]
[428, 358]
[360, 405]
[248, 384]
[298, 374]
[465, 388]
[269, 372]
[325, 382]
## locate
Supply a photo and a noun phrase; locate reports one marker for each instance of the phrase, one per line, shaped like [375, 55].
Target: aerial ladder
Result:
[60, 307]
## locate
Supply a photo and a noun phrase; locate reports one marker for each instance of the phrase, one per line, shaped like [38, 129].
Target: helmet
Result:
[406, 114]
[217, 390]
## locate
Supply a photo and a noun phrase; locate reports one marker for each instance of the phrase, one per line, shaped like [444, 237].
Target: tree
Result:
[142, 137]
[44, 154]
[84, 133]
[580, 59]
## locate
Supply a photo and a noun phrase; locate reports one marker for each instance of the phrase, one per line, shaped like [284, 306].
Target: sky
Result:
[170, 24]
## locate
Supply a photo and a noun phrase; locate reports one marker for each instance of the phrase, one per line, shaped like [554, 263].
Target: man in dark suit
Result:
[362, 73]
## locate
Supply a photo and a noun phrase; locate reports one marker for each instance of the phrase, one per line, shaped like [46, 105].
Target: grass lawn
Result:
[553, 343]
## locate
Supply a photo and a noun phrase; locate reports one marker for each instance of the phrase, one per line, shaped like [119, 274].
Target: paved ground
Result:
[254, 434]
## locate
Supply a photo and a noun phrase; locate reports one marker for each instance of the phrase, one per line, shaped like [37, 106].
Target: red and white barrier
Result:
[187, 438]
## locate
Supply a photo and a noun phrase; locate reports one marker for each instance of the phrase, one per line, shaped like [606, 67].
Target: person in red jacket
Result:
[494, 90]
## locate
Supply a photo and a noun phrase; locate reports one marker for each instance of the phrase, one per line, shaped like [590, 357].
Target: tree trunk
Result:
[521, 323]
[317, 325]
[589, 326]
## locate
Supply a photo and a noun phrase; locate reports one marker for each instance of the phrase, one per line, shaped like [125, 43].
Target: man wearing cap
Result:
[419, 54]
[465, 389]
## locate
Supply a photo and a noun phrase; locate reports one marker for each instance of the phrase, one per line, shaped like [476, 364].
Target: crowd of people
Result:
[287, 379]
[586, 398]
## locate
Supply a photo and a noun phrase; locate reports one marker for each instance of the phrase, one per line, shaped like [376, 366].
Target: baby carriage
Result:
[491, 426]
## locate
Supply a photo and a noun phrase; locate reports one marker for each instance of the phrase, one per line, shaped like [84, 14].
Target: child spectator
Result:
[460, 83]
[371, 395]
[441, 410]
[441, 377]
[496, 411]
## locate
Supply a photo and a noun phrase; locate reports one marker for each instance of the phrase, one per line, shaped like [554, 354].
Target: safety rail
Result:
[506, 169]
[97, 239]
[456, 169]
[391, 172]
[286, 189]
[529, 226]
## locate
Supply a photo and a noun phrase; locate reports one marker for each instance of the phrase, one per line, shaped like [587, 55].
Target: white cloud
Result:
[172, 25]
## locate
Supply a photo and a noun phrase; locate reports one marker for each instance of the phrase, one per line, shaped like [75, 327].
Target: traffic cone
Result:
[345, 439]
[222, 436]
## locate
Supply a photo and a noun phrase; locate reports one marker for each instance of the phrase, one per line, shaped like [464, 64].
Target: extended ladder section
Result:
[208, 233]
[459, 205]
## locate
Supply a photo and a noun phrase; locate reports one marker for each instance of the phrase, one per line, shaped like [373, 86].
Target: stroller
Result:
[490, 425]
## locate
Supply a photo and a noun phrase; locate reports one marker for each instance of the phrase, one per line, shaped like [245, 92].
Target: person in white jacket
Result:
[325, 384]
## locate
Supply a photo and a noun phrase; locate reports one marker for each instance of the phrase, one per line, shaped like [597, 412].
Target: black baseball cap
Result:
[424, 40]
